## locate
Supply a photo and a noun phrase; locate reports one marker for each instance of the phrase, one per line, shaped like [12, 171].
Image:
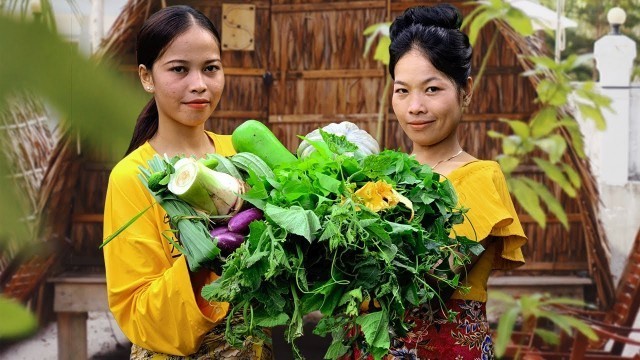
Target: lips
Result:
[420, 122]
[419, 125]
[197, 103]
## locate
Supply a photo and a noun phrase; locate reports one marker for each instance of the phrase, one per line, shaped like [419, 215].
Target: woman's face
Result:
[187, 79]
[426, 102]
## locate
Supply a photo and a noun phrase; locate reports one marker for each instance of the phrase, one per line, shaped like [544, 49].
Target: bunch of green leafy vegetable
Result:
[320, 248]
[187, 225]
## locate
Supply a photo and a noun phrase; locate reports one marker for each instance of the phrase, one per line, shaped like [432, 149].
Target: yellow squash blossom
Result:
[380, 195]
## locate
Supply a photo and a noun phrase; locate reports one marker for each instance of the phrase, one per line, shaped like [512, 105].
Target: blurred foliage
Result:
[493, 10]
[90, 98]
[591, 16]
[17, 322]
[40, 11]
[540, 140]
[530, 309]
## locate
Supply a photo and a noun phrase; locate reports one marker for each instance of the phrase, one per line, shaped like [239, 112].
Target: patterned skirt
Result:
[467, 337]
[213, 347]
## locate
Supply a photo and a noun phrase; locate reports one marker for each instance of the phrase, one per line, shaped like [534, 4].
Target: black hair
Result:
[435, 32]
[156, 34]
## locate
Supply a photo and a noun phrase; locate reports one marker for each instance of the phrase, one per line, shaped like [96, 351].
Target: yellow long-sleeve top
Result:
[148, 281]
[481, 187]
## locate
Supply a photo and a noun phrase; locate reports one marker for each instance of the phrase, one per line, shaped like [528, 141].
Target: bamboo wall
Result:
[307, 70]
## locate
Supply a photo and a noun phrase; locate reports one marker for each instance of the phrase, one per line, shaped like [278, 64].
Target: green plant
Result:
[530, 309]
[544, 132]
[335, 236]
[489, 11]
[540, 140]
[83, 93]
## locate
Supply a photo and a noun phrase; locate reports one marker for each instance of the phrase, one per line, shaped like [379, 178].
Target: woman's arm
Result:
[150, 288]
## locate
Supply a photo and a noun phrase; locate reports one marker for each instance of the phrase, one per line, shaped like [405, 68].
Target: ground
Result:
[106, 341]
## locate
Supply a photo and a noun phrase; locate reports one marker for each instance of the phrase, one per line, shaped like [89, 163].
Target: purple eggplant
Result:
[239, 223]
[228, 242]
[218, 230]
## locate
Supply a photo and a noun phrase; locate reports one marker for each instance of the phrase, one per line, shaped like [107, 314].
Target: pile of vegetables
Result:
[202, 199]
[356, 234]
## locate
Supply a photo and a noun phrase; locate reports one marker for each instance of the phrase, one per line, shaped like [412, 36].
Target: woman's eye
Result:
[432, 89]
[212, 68]
[400, 91]
[179, 69]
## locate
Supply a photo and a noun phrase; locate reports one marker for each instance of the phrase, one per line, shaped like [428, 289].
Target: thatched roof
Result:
[122, 35]
[28, 142]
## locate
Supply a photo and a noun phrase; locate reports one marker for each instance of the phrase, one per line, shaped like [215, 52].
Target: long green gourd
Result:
[255, 137]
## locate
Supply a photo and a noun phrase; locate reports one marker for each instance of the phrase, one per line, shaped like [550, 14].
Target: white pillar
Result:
[614, 54]
[96, 24]
[634, 129]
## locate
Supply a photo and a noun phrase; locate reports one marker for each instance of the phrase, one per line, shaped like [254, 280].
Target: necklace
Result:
[441, 161]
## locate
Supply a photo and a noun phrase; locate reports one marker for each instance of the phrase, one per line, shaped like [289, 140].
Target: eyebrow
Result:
[433, 78]
[186, 62]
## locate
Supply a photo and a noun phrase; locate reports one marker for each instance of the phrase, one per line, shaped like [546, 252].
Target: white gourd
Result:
[366, 144]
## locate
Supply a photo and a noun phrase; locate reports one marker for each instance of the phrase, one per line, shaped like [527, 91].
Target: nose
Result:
[416, 104]
[198, 85]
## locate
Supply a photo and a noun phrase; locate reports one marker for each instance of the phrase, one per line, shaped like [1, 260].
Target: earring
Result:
[149, 88]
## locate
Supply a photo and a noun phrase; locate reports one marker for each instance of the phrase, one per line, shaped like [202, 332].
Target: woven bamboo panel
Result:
[321, 75]
[86, 218]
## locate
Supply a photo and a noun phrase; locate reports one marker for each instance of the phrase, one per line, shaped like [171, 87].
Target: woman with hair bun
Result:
[152, 294]
[430, 63]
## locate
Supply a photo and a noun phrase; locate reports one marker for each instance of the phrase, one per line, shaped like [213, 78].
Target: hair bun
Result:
[442, 15]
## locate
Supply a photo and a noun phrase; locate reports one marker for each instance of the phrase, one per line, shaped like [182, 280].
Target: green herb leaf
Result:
[329, 183]
[338, 144]
[375, 327]
[295, 220]
[271, 321]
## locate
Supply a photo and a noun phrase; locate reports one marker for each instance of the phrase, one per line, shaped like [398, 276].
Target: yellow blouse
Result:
[482, 188]
[148, 281]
